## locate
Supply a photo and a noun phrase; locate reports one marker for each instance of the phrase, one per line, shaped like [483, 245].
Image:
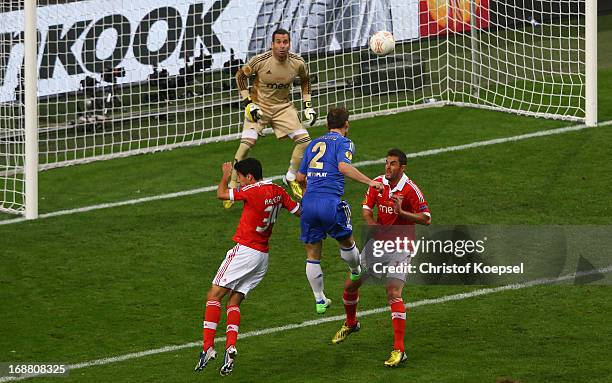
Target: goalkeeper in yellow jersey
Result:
[268, 103]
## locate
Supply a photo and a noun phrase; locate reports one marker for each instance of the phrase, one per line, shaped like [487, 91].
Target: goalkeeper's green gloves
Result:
[252, 112]
[310, 115]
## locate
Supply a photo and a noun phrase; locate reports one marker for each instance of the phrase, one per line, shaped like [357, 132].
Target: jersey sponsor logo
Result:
[386, 209]
[349, 155]
[332, 137]
[278, 86]
[317, 174]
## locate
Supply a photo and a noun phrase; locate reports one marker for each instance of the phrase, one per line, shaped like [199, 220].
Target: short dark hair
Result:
[399, 154]
[250, 166]
[337, 117]
[280, 31]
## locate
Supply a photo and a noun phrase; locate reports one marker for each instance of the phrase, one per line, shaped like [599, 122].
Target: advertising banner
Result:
[89, 38]
[449, 16]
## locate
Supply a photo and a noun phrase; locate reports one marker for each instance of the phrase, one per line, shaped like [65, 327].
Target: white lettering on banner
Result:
[84, 38]
[80, 39]
[405, 16]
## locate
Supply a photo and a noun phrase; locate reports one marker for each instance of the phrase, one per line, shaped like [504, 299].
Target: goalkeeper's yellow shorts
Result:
[283, 119]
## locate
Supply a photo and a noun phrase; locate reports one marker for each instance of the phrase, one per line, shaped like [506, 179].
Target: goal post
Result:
[110, 78]
[591, 62]
[31, 111]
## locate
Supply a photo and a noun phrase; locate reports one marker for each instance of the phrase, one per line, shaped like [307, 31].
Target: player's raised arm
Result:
[351, 172]
[252, 112]
[242, 82]
[292, 206]
[310, 115]
[222, 189]
[305, 83]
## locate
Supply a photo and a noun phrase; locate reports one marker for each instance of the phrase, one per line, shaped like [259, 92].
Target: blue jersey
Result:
[320, 164]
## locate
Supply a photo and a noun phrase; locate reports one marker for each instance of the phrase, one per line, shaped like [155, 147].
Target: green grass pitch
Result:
[110, 282]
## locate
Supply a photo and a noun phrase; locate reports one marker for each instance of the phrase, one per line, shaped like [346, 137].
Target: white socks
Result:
[351, 257]
[314, 273]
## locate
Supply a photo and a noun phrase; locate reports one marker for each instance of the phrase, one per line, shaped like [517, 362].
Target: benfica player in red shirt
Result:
[246, 263]
[400, 203]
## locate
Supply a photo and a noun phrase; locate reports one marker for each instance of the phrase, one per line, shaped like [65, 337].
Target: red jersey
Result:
[413, 202]
[262, 202]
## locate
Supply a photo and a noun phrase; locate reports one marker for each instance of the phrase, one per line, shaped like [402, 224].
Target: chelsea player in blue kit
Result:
[326, 162]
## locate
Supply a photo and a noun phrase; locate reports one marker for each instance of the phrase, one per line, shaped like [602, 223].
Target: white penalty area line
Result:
[425, 153]
[316, 322]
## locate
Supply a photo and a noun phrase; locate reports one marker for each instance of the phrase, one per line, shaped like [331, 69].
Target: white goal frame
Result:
[31, 165]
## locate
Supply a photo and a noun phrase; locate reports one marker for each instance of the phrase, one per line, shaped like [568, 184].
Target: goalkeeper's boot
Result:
[397, 357]
[323, 305]
[228, 362]
[344, 332]
[295, 187]
[205, 357]
[227, 204]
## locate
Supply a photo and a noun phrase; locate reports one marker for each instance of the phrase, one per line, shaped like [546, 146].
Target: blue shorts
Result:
[322, 216]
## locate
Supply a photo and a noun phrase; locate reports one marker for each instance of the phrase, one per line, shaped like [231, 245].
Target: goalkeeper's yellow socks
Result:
[243, 150]
[298, 154]
[241, 153]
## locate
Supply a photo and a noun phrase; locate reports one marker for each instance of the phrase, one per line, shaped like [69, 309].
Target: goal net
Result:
[12, 132]
[529, 58]
[120, 78]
